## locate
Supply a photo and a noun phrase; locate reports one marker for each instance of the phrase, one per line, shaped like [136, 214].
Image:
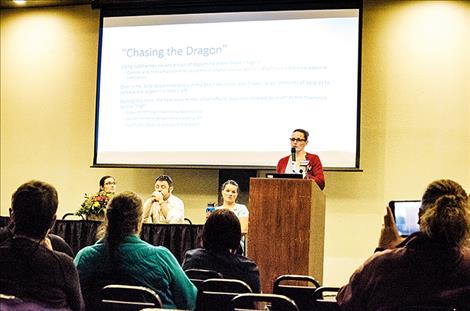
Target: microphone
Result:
[292, 151]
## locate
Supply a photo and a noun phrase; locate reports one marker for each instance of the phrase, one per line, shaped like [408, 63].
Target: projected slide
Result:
[227, 89]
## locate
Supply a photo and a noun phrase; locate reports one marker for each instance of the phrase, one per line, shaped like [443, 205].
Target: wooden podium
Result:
[286, 228]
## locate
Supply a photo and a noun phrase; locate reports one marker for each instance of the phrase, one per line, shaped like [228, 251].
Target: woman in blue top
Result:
[230, 191]
[122, 254]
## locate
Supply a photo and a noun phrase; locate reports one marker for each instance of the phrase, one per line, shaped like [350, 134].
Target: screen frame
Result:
[132, 8]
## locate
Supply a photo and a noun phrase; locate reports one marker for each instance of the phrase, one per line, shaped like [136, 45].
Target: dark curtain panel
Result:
[177, 238]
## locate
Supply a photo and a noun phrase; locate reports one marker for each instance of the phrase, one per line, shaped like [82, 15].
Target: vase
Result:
[95, 217]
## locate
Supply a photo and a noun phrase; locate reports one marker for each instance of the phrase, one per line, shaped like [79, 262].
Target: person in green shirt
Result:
[121, 254]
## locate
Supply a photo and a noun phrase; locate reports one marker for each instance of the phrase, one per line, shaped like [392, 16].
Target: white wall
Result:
[415, 117]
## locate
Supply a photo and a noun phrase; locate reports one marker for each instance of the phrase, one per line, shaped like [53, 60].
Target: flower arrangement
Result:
[95, 205]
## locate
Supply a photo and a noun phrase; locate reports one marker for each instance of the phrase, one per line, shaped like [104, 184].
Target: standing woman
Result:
[122, 254]
[300, 161]
[108, 184]
[230, 191]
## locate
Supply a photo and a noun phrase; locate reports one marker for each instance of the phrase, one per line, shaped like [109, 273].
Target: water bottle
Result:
[209, 209]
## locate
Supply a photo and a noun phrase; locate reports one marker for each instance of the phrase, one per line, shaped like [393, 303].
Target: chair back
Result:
[203, 274]
[73, 216]
[428, 308]
[216, 294]
[197, 276]
[326, 293]
[12, 303]
[260, 301]
[128, 298]
[91, 290]
[325, 299]
[304, 296]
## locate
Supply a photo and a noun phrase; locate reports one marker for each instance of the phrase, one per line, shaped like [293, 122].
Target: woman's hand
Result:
[389, 236]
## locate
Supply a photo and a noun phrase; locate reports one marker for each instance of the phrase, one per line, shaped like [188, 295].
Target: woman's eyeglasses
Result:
[296, 139]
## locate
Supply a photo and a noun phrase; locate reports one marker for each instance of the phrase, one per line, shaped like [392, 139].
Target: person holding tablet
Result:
[430, 267]
[300, 161]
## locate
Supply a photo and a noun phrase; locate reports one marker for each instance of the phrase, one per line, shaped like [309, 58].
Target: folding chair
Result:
[303, 296]
[197, 276]
[91, 290]
[259, 301]
[216, 294]
[73, 216]
[428, 308]
[12, 303]
[128, 298]
[325, 299]
[326, 293]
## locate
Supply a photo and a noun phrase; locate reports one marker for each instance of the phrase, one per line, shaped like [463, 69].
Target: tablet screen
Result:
[406, 216]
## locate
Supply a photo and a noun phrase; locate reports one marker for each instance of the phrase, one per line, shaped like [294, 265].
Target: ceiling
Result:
[5, 4]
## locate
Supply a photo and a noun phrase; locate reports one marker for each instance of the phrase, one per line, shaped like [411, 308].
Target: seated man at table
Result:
[163, 206]
[29, 268]
[221, 239]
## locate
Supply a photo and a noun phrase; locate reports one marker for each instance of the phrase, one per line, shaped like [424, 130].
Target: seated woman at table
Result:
[94, 206]
[230, 191]
[108, 184]
[221, 239]
[121, 254]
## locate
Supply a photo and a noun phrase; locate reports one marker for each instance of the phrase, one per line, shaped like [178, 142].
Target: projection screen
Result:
[226, 89]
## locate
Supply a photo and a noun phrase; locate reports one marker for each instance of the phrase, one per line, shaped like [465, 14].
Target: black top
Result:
[231, 266]
[32, 272]
[58, 244]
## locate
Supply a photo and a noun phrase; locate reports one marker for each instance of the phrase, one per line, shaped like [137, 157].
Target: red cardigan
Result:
[314, 168]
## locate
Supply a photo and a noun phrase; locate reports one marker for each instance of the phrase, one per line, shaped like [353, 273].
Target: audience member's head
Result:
[123, 218]
[33, 208]
[222, 231]
[444, 215]
[108, 184]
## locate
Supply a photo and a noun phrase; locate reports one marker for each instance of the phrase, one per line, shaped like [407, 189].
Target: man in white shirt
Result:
[163, 207]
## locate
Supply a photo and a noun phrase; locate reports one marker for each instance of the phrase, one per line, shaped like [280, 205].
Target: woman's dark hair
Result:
[230, 182]
[123, 218]
[303, 132]
[34, 206]
[445, 215]
[103, 179]
[222, 231]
